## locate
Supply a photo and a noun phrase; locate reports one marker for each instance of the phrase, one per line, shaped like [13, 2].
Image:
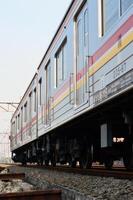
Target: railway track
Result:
[26, 195]
[37, 174]
[116, 172]
[33, 195]
[11, 176]
[1, 168]
[119, 173]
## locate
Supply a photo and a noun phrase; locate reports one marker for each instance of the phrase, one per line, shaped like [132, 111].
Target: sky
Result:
[26, 29]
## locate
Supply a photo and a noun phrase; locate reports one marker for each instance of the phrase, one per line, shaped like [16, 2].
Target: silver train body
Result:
[79, 104]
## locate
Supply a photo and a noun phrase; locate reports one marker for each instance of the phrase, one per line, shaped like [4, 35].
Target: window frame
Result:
[25, 112]
[86, 28]
[35, 100]
[18, 121]
[122, 13]
[22, 117]
[62, 53]
[16, 128]
[40, 91]
[22, 120]
[101, 16]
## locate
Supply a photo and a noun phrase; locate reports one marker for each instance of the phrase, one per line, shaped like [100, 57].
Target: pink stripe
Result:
[114, 38]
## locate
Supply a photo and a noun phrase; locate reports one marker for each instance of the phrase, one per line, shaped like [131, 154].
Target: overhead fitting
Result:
[8, 106]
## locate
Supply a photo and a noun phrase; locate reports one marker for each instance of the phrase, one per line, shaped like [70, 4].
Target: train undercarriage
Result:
[102, 135]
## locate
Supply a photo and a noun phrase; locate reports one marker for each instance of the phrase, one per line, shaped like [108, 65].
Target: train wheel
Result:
[86, 158]
[24, 163]
[72, 162]
[128, 162]
[47, 162]
[108, 163]
[86, 161]
[128, 154]
[53, 163]
[40, 161]
[54, 160]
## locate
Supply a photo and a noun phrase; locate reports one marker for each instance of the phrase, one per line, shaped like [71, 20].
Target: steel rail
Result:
[1, 168]
[119, 173]
[11, 176]
[116, 172]
[33, 195]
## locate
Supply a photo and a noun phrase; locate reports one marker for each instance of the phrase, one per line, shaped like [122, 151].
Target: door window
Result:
[82, 52]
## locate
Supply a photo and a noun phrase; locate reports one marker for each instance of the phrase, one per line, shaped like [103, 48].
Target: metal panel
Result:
[104, 132]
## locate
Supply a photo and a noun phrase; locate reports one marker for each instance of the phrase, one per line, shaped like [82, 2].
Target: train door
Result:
[81, 56]
[48, 94]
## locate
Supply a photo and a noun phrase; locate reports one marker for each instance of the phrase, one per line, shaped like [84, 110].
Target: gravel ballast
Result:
[15, 185]
[78, 187]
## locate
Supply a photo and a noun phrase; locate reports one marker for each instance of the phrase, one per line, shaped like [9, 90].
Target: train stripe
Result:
[113, 39]
[109, 55]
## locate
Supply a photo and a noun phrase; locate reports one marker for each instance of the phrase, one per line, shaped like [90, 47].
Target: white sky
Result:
[26, 29]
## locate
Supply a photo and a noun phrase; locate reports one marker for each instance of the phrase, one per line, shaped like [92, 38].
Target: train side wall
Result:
[108, 72]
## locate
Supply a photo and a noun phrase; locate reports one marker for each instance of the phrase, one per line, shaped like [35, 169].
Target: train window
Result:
[25, 112]
[35, 100]
[13, 128]
[16, 124]
[40, 91]
[18, 121]
[64, 62]
[16, 132]
[110, 13]
[125, 4]
[61, 70]
[30, 106]
[21, 121]
[86, 28]
[48, 91]
[21, 117]
[79, 39]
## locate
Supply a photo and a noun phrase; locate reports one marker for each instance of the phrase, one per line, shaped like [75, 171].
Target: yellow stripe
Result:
[115, 50]
[80, 82]
[61, 98]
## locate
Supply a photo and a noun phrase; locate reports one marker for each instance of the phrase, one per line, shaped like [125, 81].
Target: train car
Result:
[84, 90]
[24, 123]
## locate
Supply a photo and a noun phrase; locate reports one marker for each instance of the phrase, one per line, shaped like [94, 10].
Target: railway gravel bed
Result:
[15, 185]
[78, 187]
